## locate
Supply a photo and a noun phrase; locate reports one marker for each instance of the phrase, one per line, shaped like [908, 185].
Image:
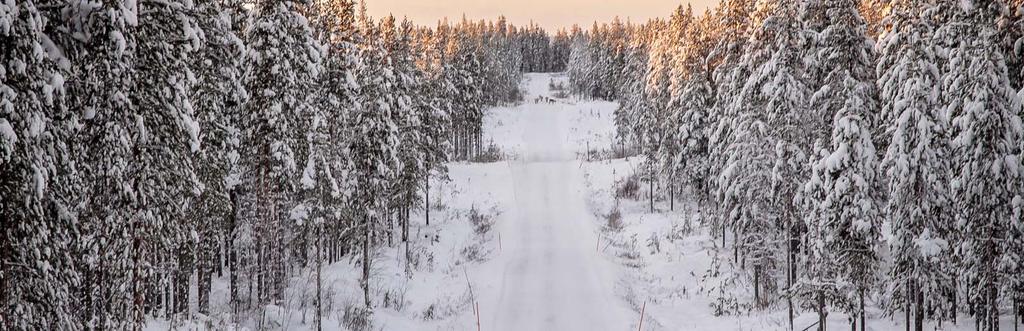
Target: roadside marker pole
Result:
[499, 242]
[477, 304]
[639, 328]
[598, 247]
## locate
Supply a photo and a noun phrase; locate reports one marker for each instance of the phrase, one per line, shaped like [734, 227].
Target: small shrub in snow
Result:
[395, 298]
[431, 312]
[482, 223]
[421, 258]
[613, 221]
[654, 243]
[680, 231]
[629, 253]
[473, 253]
[628, 188]
[490, 154]
[357, 318]
[437, 311]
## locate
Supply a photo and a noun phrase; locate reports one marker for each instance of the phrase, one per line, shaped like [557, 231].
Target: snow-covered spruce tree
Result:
[766, 154]
[100, 46]
[653, 133]
[282, 62]
[434, 111]
[692, 99]
[842, 220]
[916, 163]
[632, 105]
[405, 84]
[986, 138]
[326, 181]
[668, 160]
[732, 31]
[166, 137]
[615, 43]
[218, 97]
[37, 265]
[874, 13]
[375, 143]
[461, 71]
[579, 65]
[503, 61]
[1010, 27]
[842, 212]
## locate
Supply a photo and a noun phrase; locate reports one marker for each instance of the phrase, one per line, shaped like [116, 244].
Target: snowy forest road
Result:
[552, 276]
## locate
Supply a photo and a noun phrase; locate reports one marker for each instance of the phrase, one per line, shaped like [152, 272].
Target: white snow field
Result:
[548, 274]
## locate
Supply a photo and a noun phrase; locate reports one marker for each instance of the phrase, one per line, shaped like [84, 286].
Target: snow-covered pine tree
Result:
[395, 41]
[218, 97]
[461, 71]
[579, 65]
[165, 137]
[632, 105]
[1011, 30]
[653, 134]
[916, 163]
[766, 152]
[986, 138]
[375, 143]
[327, 185]
[874, 13]
[692, 99]
[282, 62]
[100, 45]
[843, 214]
[37, 264]
[669, 158]
[731, 31]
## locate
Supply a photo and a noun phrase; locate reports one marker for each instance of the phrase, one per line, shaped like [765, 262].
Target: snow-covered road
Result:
[549, 274]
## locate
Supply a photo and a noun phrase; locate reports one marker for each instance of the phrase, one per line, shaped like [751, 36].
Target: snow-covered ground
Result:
[548, 274]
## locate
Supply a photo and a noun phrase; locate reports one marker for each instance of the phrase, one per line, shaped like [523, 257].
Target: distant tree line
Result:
[844, 152]
[543, 52]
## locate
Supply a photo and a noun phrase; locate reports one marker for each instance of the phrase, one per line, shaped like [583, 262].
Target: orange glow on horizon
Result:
[549, 14]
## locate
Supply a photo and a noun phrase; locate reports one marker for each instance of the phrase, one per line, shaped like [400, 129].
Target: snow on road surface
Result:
[548, 274]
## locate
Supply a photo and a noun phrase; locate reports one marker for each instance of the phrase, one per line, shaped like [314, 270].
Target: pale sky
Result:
[550, 14]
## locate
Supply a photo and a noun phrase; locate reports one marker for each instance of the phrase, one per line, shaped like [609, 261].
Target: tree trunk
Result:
[757, 287]
[426, 200]
[956, 290]
[671, 196]
[138, 294]
[789, 270]
[233, 253]
[319, 280]
[652, 192]
[205, 274]
[366, 261]
[723, 233]
[907, 304]
[993, 307]
[863, 320]
[918, 308]
[1016, 310]
[735, 246]
[821, 312]
[391, 226]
